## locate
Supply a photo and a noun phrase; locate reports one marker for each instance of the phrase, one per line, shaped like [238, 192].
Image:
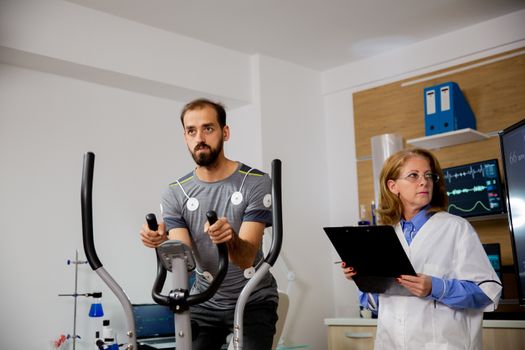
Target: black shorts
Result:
[215, 325]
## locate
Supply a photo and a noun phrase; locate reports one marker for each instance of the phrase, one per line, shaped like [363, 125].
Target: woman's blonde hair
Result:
[390, 209]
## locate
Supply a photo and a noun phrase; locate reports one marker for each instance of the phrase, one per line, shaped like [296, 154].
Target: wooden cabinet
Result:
[351, 337]
[359, 334]
[503, 338]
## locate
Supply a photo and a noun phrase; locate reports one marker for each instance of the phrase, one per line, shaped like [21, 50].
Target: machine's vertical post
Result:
[182, 319]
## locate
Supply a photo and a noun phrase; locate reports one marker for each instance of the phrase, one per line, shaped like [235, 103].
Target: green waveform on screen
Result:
[468, 209]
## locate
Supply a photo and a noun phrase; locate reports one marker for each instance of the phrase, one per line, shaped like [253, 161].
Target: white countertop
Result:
[373, 322]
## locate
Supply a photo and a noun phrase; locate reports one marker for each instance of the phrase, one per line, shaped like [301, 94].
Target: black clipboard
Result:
[375, 253]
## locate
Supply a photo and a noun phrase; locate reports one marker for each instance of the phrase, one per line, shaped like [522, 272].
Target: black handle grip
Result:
[212, 217]
[277, 213]
[87, 211]
[151, 219]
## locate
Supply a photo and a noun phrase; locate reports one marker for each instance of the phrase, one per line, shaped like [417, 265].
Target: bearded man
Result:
[241, 197]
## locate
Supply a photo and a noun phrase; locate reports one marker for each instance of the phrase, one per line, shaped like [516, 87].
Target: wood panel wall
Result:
[495, 90]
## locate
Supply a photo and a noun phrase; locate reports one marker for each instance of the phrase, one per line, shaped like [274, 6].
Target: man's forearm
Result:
[242, 253]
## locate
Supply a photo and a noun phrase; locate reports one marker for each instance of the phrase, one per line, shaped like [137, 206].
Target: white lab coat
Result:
[446, 247]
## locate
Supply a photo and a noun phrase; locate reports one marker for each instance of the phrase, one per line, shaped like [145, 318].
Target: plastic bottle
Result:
[373, 212]
[109, 337]
[362, 216]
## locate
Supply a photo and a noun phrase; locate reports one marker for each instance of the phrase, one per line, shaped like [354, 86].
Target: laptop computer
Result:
[375, 253]
[154, 326]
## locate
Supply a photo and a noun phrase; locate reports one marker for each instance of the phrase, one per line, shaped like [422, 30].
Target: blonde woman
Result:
[455, 283]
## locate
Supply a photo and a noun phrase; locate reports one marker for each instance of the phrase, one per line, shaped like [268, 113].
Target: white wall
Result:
[246, 139]
[68, 39]
[48, 122]
[292, 128]
[342, 184]
[464, 45]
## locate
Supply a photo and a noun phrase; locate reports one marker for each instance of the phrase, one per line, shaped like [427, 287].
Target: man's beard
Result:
[206, 159]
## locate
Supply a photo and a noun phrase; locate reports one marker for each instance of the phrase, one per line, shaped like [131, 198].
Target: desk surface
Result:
[373, 322]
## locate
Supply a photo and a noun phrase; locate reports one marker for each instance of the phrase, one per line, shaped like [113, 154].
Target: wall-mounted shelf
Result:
[501, 216]
[446, 139]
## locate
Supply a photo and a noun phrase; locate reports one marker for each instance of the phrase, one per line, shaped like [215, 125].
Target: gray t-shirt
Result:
[185, 204]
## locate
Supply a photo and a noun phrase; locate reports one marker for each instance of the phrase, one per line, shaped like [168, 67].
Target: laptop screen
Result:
[494, 254]
[153, 320]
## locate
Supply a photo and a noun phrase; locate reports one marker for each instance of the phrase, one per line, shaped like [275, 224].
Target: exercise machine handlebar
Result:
[161, 270]
[269, 260]
[91, 253]
[277, 215]
[87, 211]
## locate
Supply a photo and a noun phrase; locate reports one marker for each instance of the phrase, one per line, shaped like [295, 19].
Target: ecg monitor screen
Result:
[474, 189]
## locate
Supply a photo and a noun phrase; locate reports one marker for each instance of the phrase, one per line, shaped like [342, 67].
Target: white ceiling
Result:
[319, 34]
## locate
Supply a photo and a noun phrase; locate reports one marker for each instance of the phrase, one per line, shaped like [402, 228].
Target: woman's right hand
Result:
[152, 239]
[349, 272]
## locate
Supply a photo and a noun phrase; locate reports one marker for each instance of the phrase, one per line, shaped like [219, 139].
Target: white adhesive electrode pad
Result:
[236, 198]
[249, 272]
[207, 276]
[192, 204]
[267, 200]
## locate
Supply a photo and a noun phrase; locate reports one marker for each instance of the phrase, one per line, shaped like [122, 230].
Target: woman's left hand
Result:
[420, 285]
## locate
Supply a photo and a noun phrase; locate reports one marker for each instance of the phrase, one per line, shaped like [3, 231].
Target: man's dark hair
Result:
[202, 103]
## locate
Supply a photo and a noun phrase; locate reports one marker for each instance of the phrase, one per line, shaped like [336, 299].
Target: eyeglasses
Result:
[415, 177]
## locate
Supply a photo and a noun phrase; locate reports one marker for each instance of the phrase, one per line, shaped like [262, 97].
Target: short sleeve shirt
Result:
[243, 196]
